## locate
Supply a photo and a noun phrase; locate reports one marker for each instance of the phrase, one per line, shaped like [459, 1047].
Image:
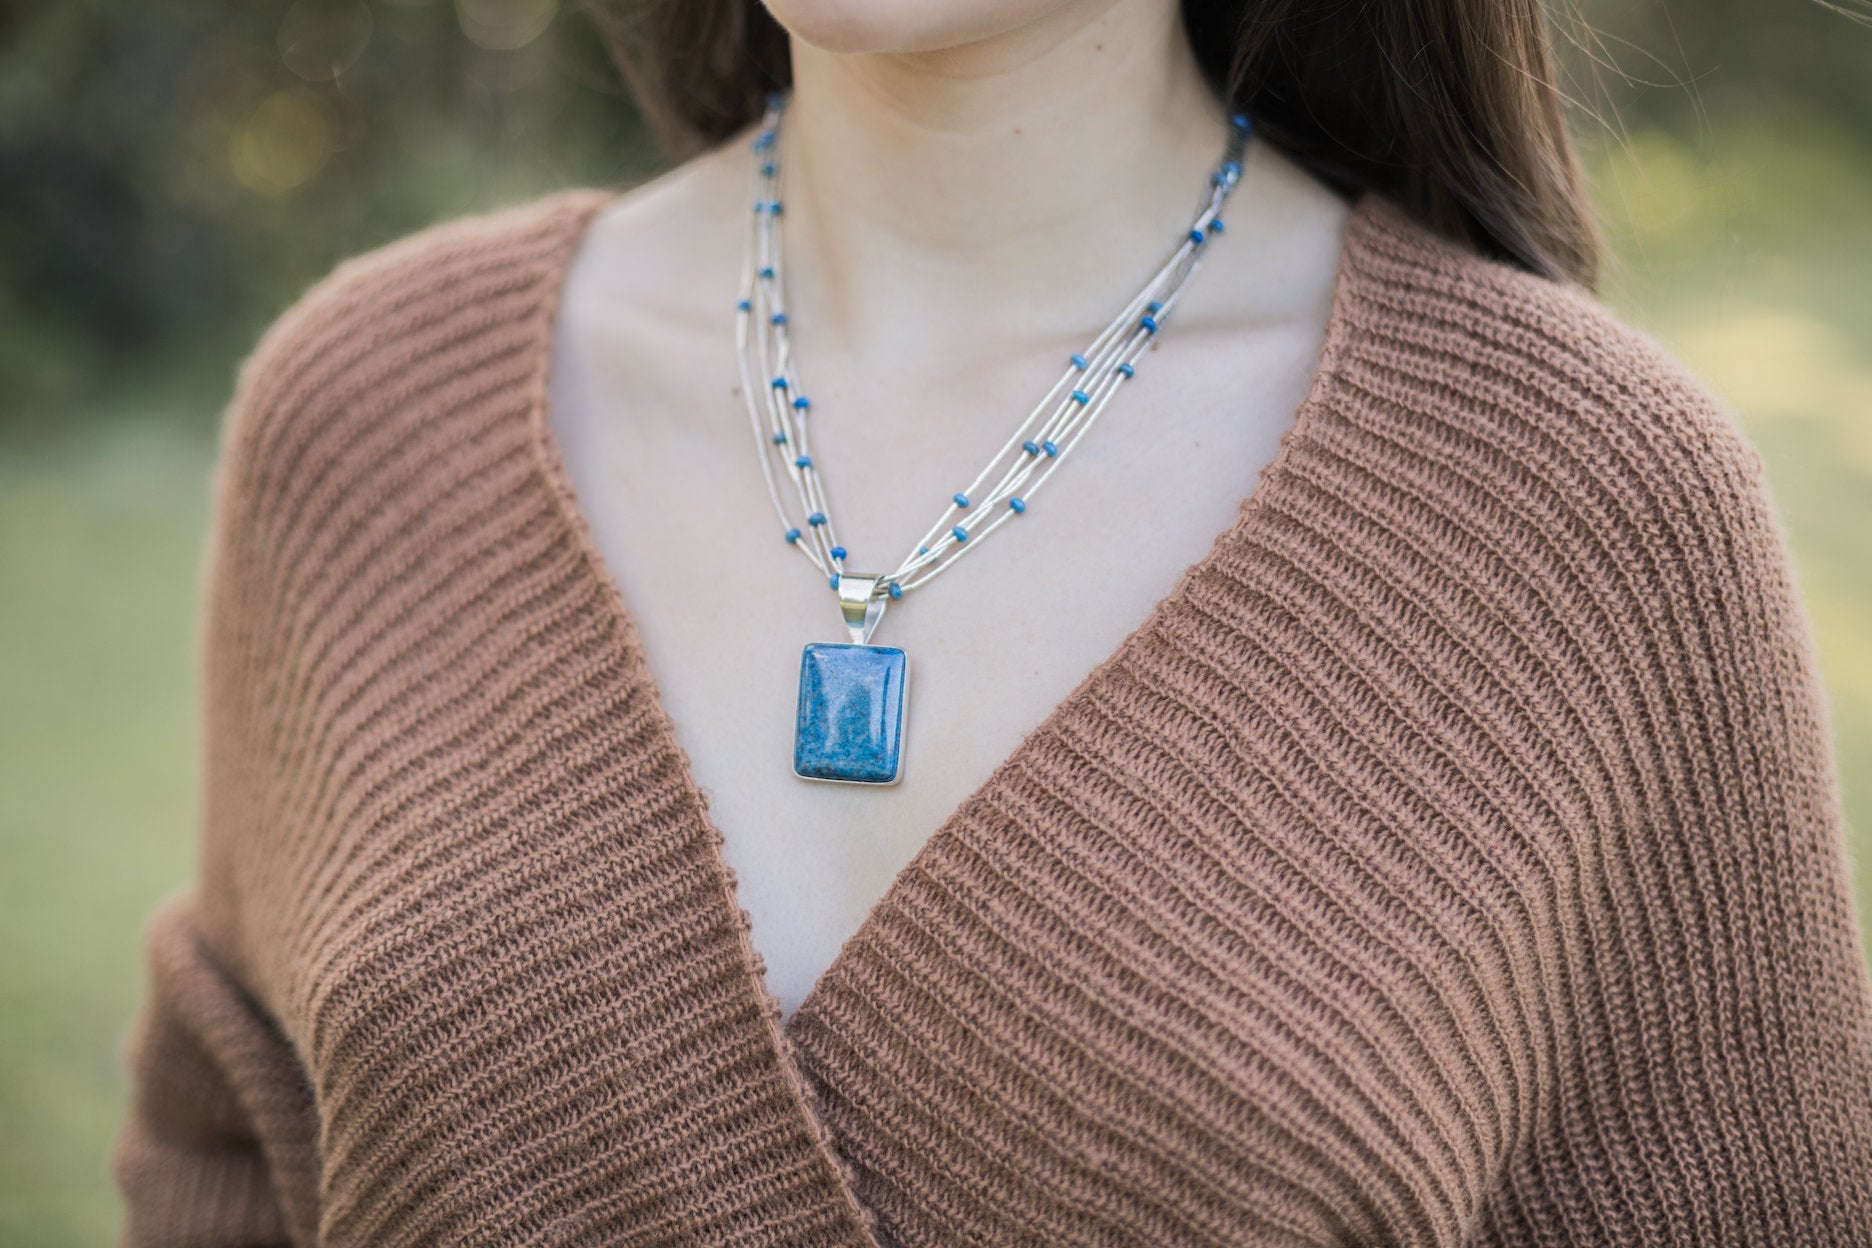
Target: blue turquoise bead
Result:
[1049, 448]
[922, 550]
[1149, 323]
[779, 318]
[817, 518]
[802, 461]
[802, 402]
[792, 535]
[769, 169]
[1240, 121]
[838, 552]
[742, 305]
[779, 439]
[1126, 369]
[1079, 361]
[1018, 504]
[1031, 447]
[779, 383]
[1081, 397]
[896, 590]
[1195, 236]
[835, 580]
[1153, 306]
[961, 534]
[1215, 226]
[961, 500]
[766, 270]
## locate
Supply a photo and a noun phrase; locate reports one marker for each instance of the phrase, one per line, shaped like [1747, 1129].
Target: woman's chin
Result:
[848, 26]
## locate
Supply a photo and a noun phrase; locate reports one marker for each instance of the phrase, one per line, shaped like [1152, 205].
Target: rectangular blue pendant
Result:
[851, 713]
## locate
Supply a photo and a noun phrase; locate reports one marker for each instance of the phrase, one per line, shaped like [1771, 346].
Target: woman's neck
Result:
[1017, 185]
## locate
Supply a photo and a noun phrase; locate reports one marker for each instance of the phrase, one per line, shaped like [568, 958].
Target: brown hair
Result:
[1447, 106]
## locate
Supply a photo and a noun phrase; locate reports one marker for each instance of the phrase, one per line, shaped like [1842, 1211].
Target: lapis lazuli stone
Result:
[851, 713]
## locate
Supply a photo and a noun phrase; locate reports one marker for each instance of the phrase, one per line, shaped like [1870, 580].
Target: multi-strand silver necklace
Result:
[850, 722]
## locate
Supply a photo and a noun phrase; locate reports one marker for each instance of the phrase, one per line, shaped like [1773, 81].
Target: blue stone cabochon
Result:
[851, 714]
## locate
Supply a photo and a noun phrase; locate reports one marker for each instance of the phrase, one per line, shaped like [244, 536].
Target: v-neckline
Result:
[549, 461]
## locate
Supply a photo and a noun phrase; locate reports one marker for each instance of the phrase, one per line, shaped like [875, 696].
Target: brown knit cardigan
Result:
[1453, 857]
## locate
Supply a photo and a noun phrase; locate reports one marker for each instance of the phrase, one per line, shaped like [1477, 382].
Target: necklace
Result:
[852, 695]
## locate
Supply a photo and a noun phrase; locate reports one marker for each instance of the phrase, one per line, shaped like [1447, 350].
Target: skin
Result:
[972, 189]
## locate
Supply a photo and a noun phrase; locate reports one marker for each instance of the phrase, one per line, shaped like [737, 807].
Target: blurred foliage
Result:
[173, 173]
[1663, 59]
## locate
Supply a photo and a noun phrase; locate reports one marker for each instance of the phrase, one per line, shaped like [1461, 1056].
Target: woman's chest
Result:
[668, 475]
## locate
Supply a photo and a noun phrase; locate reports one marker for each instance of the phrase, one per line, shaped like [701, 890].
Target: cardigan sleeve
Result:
[217, 1104]
[222, 1141]
[218, 1145]
[1719, 1085]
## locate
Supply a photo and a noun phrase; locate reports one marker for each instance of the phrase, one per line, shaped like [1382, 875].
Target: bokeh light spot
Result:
[285, 141]
[320, 39]
[504, 25]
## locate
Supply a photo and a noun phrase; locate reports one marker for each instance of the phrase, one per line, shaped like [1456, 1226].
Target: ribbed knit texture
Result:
[1454, 857]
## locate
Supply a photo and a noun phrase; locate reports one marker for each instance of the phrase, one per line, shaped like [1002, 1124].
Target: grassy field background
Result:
[1750, 257]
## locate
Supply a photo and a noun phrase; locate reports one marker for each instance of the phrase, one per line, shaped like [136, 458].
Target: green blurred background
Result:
[173, 174]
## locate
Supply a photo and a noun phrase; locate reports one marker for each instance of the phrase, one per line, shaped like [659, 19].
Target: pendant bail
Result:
[861, 605]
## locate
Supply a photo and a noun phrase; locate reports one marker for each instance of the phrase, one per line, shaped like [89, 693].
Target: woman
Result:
[1380, 792]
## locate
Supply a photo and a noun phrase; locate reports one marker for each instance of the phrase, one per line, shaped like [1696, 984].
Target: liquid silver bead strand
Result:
[780, 413]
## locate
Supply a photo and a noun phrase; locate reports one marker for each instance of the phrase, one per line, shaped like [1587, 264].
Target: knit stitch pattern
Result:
[1454, 857]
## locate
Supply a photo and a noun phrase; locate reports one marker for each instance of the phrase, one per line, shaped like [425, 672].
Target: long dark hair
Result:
[1447, 106]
